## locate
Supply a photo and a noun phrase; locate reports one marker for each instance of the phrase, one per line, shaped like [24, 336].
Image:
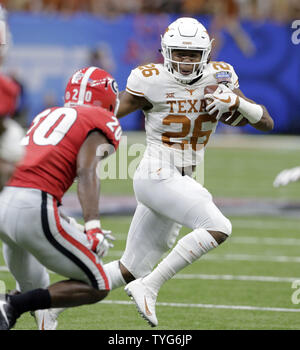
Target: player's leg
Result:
[181, 199]
[150, 236]
[30, 274]
[192, 207]
[61, 248]
[69, 293]
[27, 271]
[47, 319]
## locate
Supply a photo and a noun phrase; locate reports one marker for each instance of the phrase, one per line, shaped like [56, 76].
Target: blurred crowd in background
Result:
[280, 10]
[53, 38]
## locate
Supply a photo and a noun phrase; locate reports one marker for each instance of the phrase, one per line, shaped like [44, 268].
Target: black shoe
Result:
[13, 292]
[8, 315]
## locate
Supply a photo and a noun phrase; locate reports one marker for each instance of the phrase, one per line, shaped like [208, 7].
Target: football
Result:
[236, 118]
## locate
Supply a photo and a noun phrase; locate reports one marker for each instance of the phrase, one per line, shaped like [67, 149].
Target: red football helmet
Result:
[94, 87]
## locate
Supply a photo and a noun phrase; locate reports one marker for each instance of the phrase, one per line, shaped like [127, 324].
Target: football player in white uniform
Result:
[178, 125]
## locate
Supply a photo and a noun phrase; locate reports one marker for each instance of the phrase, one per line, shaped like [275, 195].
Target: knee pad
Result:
[221, 224]
[226, 227]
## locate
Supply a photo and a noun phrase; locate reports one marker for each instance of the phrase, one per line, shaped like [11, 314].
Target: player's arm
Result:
[88, 190]
[226, 100]
[88, 186]
[252, 111]
[130, 103]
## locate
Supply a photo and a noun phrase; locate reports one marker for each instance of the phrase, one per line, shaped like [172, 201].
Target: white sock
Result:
[188, 249]
[58, 311]
[113, 270]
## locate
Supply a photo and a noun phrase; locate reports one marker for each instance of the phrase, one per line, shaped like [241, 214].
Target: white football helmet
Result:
[185, 34]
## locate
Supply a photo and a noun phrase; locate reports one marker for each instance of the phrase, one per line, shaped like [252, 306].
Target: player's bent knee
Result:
[220, 237]
[223, 232]
[225, 227]
[228, 228]
[97, 295]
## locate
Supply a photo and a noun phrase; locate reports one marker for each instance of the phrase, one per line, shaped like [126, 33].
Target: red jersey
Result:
[53, 142]
[9, 93]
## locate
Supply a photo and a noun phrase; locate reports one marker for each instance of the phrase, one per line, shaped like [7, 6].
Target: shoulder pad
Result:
[142, 77]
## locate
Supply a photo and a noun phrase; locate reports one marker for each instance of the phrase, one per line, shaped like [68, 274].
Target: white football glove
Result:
[99, 240]
[223, 101]
[286, 176]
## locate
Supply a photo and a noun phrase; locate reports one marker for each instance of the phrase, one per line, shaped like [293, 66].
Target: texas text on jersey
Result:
[52, 144]
[178, 117]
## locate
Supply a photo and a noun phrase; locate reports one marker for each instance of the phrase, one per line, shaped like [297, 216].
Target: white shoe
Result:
[46, 320]
[144, 300]
[8, 315]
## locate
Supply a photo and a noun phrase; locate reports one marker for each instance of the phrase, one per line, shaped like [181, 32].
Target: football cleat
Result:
[8, 315]
[144, 300]
[46, 320]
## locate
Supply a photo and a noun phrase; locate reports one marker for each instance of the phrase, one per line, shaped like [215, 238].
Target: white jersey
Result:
[177, 126]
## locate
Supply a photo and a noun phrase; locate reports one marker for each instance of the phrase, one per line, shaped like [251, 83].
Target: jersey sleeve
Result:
[225, 73]
[109, 125]
[234, 79]
[135, 84]
[99, 119]
[112, 130]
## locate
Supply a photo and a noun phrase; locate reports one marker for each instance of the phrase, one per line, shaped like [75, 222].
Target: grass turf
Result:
[252, 250]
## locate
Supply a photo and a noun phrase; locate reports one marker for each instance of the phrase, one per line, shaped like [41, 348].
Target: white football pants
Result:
[166, 202]
[35, 236]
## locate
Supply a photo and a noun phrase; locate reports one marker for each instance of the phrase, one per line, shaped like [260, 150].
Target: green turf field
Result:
[244, 284]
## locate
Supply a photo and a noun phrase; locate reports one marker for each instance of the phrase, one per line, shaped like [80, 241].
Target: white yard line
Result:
[256, 258]
[209, 306]
[236, 278]
[227, 257]
[202, 276]
[235, 257]
[244, 240]
[264, 225]
[265, 241]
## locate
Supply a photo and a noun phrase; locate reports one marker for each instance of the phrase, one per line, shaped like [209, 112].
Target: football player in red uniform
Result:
[11, 132]
[62, 143]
